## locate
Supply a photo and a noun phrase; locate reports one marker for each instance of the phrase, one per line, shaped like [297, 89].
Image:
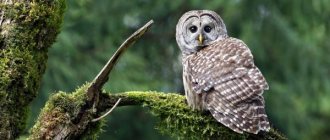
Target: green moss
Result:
[179, 121]
[67, 112]
[23, 57]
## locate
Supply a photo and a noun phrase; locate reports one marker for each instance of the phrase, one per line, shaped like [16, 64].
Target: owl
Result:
[219, 74]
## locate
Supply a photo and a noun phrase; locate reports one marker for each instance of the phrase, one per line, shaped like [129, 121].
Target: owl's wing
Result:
[223, 61]
[225, 71]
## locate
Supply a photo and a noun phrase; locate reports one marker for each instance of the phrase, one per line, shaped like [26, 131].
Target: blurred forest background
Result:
[289, 39]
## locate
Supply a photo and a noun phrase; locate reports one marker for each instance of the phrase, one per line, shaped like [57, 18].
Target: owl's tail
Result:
[244, 117]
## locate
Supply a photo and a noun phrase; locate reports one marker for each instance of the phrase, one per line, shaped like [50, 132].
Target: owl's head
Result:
[199, 28]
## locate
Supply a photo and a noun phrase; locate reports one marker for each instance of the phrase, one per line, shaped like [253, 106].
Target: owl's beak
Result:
[200, 39]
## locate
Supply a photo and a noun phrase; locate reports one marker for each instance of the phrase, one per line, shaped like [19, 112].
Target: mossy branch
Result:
[61, 114]
[177, 119]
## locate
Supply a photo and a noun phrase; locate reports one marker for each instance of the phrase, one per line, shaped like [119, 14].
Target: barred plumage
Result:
[220, 76]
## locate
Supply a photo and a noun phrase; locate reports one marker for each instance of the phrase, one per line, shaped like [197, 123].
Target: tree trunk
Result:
[27, 30]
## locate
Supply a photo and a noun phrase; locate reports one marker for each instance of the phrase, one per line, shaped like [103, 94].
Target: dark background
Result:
[289, 41]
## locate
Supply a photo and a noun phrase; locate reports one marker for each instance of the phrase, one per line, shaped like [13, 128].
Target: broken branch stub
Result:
[71, 116]
[102, 77]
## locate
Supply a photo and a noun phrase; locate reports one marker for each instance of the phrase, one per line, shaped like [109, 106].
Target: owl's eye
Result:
[207, 28]
[193, 29]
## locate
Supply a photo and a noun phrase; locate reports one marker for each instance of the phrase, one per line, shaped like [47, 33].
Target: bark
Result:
[27, 30]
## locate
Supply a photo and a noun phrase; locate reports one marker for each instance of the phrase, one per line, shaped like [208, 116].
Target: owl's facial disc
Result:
[199, 28]
[200, 31]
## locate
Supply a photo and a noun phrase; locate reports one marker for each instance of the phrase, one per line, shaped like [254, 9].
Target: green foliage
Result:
[289, 41]
[23, 56]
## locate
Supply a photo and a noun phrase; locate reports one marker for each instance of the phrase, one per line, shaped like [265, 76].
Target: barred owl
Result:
[219, 74]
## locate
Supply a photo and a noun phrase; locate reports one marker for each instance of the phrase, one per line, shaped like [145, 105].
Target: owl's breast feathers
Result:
[223, 79]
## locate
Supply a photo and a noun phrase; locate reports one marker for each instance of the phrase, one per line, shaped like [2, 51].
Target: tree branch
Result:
[102, 77]
[106, 114]
[70, 116]
[178, 120]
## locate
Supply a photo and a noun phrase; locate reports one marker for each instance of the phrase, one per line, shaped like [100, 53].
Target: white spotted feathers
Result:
[223, 79]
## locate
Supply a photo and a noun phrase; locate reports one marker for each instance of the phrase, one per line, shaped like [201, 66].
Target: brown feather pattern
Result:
[223, 79]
